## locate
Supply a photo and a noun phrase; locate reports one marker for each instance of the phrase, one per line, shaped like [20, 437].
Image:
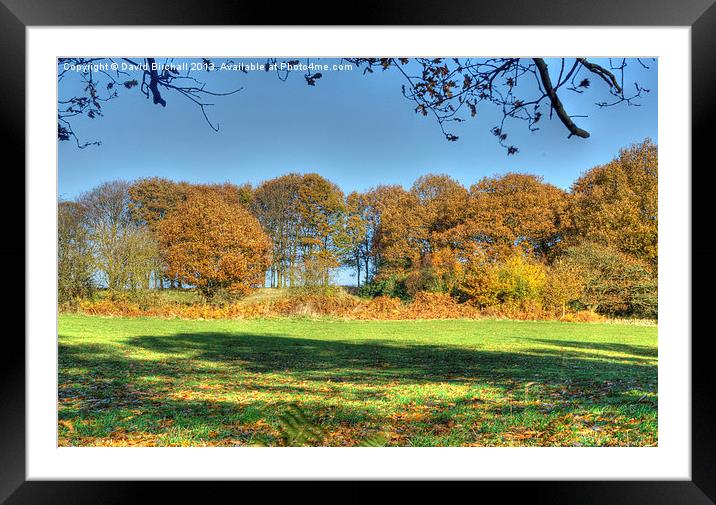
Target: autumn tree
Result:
[75, 263]
[275, 204]
[304, 214]
[400, 235]
[442, 206]
[214, 245]
[231, 193]
[321, 209]
[152, 198]
[414, 238]
[617, 204]
[515, 210]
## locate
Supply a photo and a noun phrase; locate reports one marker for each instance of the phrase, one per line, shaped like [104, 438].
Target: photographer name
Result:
[105, 66]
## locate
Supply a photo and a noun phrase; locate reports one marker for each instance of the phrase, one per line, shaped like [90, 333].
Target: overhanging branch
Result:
[556, 102]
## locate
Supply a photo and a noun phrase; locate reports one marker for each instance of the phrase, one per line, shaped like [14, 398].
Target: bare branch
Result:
[556, 102]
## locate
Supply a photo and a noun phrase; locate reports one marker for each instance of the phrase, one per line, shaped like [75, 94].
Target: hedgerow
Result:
[339, 304]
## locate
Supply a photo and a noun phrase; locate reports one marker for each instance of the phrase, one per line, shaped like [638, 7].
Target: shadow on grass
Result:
[637, 352]
[202, 355]
[390, 360]
[102, 383]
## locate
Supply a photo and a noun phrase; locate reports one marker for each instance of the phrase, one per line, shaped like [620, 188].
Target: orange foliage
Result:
[617, 204]
[424, 306]
[400, 236]
[510, 246]
[515, 208]
[212, 244]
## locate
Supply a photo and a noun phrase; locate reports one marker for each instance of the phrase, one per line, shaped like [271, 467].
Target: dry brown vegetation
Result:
[273, 303]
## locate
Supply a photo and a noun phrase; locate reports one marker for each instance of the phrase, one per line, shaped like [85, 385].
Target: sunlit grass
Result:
[420, 383]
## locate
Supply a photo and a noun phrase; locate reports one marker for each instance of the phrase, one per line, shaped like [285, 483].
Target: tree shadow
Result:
[308, 368]
[376, 361]
[637, 352]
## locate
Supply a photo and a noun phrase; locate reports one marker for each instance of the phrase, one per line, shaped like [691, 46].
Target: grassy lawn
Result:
[409, 383]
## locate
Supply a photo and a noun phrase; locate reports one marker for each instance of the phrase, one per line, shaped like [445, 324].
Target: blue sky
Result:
[354, 129]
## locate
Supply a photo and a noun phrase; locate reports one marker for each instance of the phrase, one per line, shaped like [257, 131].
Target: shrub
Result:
[563, 287]
[644, 299]
[520, 279]
[514, 281]
[393, 286]
[583, 316]
[481, 283]
[615, 284]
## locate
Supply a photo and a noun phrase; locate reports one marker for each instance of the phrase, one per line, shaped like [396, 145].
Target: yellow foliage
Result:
[583, 316]
[520, 278]
[517, 279]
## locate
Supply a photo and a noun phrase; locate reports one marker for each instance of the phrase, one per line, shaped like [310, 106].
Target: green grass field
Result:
[408, 383]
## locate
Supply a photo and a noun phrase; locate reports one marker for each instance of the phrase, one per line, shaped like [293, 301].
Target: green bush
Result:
[644, 299]
[392, 286]
[614, 284]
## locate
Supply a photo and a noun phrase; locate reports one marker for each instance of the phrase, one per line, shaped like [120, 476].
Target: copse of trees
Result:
[305, 217]
[506, 241]
[125, 253]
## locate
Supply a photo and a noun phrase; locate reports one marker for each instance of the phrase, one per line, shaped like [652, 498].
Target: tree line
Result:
[507, 239]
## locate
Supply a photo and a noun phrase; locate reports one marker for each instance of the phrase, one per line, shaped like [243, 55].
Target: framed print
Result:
[455, 246]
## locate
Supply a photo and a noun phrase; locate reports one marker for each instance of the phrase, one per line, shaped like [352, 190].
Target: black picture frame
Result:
[700, 15]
